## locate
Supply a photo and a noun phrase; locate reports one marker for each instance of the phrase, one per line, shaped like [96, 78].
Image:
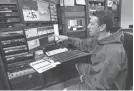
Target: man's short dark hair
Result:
[105, 17]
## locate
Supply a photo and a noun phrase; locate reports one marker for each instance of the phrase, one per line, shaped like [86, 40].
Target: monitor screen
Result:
[31, 32]
[35, 10]
[37, 38]
[32, 44]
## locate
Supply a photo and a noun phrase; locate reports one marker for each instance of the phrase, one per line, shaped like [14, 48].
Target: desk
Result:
[66, 70]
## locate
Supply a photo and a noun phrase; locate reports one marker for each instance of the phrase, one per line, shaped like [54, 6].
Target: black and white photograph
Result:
[66, 45]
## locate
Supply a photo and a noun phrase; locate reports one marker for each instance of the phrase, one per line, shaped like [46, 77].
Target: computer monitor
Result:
[35, 10]
[37, 37]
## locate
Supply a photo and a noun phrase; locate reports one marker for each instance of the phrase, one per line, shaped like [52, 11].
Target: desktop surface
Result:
[62, 71]
[68, 55]
[66, 70]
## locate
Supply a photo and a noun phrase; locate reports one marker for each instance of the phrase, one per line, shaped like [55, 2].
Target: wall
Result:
[126, 13]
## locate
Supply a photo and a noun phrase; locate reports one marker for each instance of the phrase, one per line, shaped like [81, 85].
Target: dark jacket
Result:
[108, 68]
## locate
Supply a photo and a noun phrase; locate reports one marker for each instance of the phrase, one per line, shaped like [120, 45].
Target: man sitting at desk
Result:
[108, 68]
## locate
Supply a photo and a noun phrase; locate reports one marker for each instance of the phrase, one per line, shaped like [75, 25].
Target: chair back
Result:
[128, 46]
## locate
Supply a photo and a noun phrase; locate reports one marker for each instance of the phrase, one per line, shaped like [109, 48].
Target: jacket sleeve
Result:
[107, 71]
[82, 44]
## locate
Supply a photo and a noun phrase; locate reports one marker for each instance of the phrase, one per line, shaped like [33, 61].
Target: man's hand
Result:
[61, 38]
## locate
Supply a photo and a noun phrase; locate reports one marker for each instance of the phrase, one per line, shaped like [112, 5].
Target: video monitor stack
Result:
[18, 43]
[37, 37]
[40, 18]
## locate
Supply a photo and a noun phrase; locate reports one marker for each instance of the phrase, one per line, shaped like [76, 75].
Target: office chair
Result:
[128, 46]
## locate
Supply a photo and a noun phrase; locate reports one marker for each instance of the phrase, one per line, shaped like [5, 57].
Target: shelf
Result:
[8, 22]
[8, 11]
[15, 52]
[16, 55]
[11, 37]
[9, 16]
[93, 10]
[39, 37]
[12, 45]
[98, 1]
[31, 22]
[19, 64]
[11, 29]
[53, 1]
[76, 31]
[15, 47]
[11, 3]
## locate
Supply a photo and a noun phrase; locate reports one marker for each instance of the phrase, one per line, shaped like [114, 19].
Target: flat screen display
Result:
[35, 10]
[33, 44]
[31, 32]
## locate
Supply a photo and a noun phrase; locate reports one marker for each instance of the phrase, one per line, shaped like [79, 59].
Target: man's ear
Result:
[103, 27]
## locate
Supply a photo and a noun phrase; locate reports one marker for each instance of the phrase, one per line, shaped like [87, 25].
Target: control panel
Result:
[16, 59]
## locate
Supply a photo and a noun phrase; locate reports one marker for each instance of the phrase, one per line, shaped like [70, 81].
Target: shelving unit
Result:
[9, 13]
[15, 60]
[104, 5]
[96, 5]
[15, 72]
[74, 20]
[116, 9]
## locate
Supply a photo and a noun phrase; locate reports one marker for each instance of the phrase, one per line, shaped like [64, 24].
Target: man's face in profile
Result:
[93, 26]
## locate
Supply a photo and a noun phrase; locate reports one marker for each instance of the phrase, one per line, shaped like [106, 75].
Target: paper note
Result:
[53, 9]
[80, 2]
[69, 2]
[43, 7]
[109, 3]
[61, 3]
[72, 23]
[56, 29]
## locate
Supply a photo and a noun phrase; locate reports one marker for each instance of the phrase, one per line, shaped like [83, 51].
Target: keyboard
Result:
[67, 55]
[56, 51]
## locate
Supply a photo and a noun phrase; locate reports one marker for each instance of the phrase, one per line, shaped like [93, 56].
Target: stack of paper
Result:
[43, 65]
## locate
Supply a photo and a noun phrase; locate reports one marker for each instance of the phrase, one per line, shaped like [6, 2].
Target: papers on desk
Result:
[43, 65]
